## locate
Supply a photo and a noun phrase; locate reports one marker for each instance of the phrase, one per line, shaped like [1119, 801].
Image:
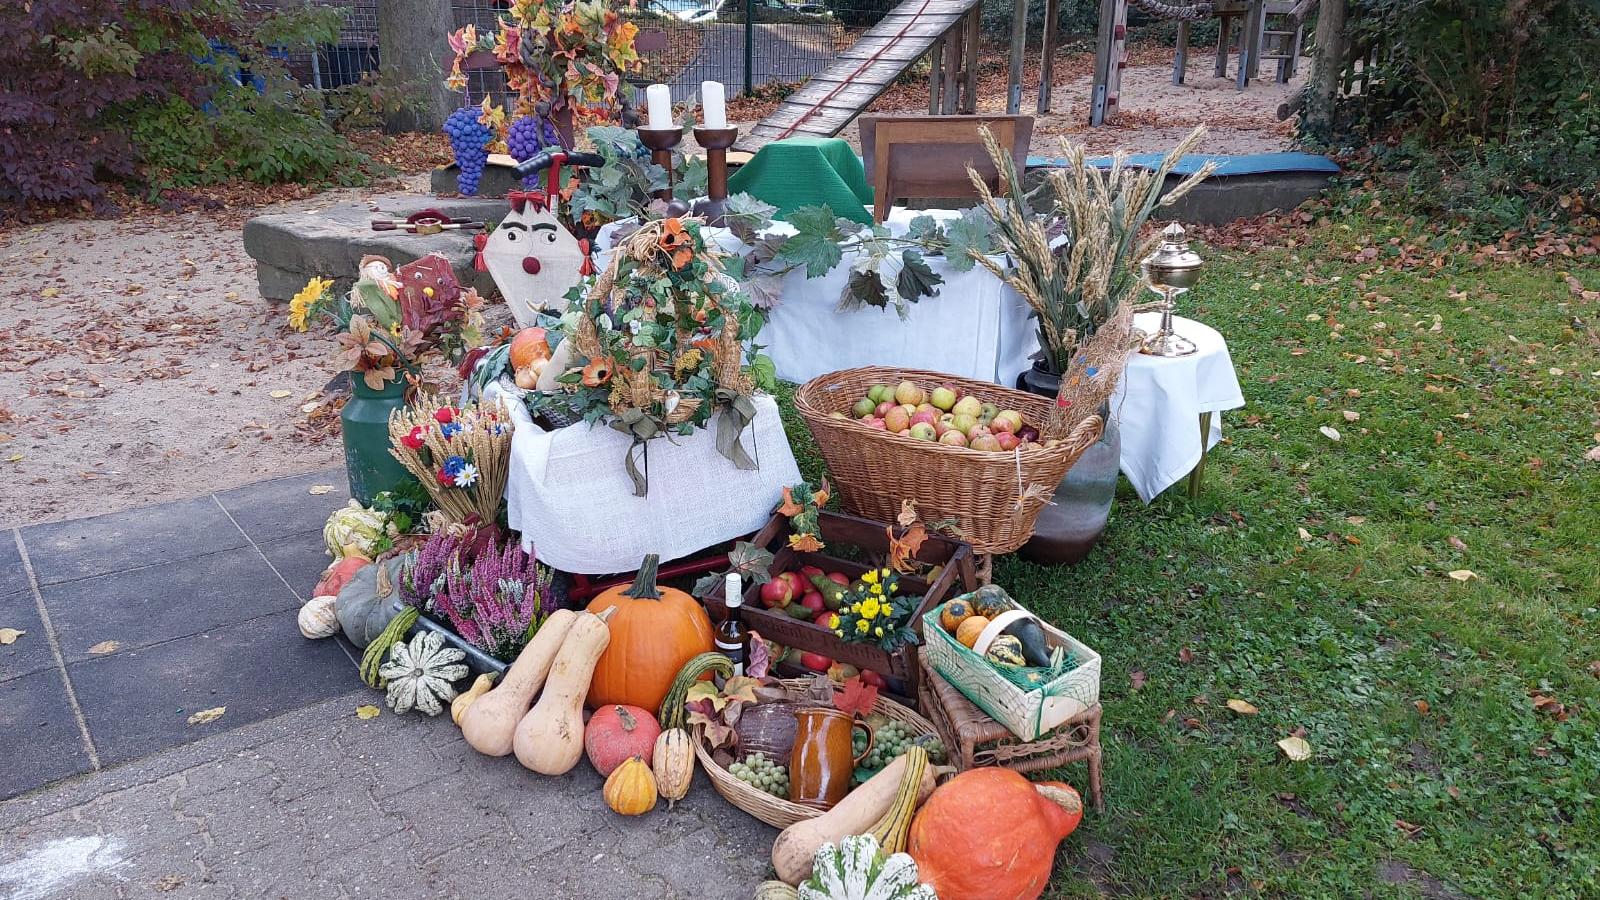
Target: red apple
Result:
[839, 578]
[875, 422]
[822, 618]
[807, 572]
[927, 416]
[1008, 441]
[953, 438]
[797, 584]
[813, 601]
[777, 593]
[816, 662]
[872, 678]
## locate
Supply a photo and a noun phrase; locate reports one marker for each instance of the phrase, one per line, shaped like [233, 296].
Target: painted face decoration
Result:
[428, 292]
[533, 260]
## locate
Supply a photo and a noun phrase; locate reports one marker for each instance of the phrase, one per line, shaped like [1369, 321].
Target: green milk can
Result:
[370, 467]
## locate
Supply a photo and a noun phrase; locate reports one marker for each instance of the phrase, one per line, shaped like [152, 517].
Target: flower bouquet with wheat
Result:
[460, 454]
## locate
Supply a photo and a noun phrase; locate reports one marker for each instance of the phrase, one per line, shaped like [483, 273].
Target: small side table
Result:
[1160, 400]
[974, 739]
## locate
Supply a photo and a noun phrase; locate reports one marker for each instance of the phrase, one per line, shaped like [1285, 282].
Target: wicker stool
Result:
[974, 739]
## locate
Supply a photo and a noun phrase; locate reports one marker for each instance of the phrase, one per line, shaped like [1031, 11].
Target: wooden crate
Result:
[841, 531]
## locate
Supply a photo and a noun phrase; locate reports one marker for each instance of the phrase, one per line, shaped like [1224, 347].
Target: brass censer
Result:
[1171, 270]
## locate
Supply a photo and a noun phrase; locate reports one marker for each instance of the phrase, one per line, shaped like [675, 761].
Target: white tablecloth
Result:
[975, 328]
[1159, 403]
[570, 495]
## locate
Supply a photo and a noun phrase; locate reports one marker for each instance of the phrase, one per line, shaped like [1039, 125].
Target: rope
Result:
[1187, 13]
[847, 82]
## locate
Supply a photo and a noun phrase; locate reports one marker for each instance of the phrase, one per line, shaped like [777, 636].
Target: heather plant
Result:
[493, 594]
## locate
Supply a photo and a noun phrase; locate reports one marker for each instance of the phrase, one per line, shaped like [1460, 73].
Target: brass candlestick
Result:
[715, 141]
[661, 142]
[1171, 270]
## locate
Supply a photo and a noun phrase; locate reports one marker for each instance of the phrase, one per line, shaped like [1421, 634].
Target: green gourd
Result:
[1005, 650]
[1030, 636]
[671, 714]
[856, 869]
[365, 604]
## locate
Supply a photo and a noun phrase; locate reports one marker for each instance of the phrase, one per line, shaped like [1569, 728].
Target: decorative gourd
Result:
[339, 574]
[953, 613]
[480, 686]
[421, 674]
[318, 619]
[969, 629]
[775, 890]
[857, 869]
[655, 631]
[672, 762]
[529, 345]
[1005, 650]
[890, 830]
[990, 600]
[489, 724]
[672, 714]
[793, 851]
[1031, 639]
[631, 789]
[617, 732]
[549, 739]
[990, 834]
[366, 603]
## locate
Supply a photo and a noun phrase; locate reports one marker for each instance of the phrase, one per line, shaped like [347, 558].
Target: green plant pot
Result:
[368, 464]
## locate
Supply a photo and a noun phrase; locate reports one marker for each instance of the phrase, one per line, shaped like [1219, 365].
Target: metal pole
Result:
[749, 47]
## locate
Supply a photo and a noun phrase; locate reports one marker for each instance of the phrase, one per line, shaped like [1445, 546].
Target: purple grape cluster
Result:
[469, 139]
[527, 136]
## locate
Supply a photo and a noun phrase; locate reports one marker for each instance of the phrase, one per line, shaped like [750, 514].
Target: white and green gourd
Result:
[421, 674]
[856, 869]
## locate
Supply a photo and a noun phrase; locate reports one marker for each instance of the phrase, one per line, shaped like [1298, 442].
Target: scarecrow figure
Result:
[533, 259]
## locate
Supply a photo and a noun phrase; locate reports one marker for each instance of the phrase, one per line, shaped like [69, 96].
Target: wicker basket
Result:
[992, 497]
[775, 811]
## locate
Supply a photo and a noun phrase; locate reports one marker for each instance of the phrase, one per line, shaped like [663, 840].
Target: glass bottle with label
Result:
[733, 638]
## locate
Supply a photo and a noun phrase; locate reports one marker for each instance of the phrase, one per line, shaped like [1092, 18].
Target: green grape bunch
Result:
[762, 773]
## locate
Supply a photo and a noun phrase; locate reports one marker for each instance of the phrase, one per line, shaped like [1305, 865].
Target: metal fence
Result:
[741, 43]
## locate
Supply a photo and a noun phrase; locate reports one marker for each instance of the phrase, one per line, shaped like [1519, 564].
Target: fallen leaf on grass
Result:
[1304, 534]
[279, 395]
[10, 635]
[105, 647]
[1463, 575]
[367, 711]
[1410, 829]
[319, 489]
[1457, 543]
[207, 715]
[1243, 707]
[1594, 668]
[1356, 520]
[1593, 455]
[1331, 433]
[1185, 656]
[1550, 706]
[1422, 706]
[1296, 748]
[1136, 678]
[1351, 415]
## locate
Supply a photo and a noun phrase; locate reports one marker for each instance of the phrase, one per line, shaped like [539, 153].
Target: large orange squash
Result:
[991, 834]
[654, 631]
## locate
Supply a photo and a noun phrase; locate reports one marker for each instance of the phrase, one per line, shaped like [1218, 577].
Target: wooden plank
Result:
[1019, 47]
[1180, 53]
[968, 102]
[960, 55]
[1223, 30]
[935, 76]
[1052, 13]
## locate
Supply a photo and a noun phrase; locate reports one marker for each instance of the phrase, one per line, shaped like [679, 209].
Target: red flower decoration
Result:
[444, 415]
[445, 478]
[414, 439]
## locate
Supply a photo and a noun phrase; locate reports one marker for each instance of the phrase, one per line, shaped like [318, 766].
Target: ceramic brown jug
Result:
[821, 762]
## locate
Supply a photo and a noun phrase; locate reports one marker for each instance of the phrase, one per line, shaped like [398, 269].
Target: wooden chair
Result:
[927, 156]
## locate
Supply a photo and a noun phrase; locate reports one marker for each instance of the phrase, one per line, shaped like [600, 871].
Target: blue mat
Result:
[1253, 164]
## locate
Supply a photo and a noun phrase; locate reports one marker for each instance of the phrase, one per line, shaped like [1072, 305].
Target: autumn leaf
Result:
[9, 636]
[804, 543]
[1422, 706]
[903, 549]
[105, 647]
[705, 691]
[1331, 433]
[317, 490]
[1136, 679]
[1243, 707]
[1457, 543]
[1351, 415]
[1304, 534]
[857, 699]
[908, 514]
[1463, 575]
[1296, 748]
[820, 498]
[741, 688]
[1593, 455]
[207, 715]
[367, 711]
[1356, 520]
[789, 507]
[1185, 656]
[279, 395]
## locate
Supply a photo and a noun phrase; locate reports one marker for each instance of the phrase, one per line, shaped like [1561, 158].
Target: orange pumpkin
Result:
[654, 631]
[530, 344]
[990, 834]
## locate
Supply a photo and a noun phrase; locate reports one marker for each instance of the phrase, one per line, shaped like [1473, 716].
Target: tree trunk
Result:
[1324, 87]
[414, 54]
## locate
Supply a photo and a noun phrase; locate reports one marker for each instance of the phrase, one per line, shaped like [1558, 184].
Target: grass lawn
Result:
[1311, 579]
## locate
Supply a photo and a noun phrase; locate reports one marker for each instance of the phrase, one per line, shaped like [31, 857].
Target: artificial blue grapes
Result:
[524, 138]
[469, 139]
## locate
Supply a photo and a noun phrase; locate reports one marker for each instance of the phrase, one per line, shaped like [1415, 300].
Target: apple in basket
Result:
[953, 438]
[986, 442]
[1008, 441]
[897, 420]
[929, 416]
[863, 408]
[908, 393]
[880, 393]
[875, 422]
[943, 397]
[922, 431]
[968, 406]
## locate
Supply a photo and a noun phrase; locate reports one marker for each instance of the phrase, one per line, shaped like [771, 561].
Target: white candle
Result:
[713, 99]
[659, 100]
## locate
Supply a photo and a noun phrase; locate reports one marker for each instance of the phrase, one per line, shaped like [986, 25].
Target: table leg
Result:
[1200, 467]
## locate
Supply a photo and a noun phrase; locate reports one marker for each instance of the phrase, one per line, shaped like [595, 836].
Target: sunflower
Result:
[300, 304]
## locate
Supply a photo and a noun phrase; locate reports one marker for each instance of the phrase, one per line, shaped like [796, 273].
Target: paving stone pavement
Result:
[317, 803]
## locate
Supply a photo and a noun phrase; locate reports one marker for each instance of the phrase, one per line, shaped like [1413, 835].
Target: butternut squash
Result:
[489, 723]
[549, 739]
[796, 847]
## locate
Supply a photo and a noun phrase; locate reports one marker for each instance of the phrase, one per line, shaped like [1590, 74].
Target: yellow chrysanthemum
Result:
[878, 631]
[869, 607]
[833, 620]
[300, 304]
[862, 626]
[877, 589]
[870, 577]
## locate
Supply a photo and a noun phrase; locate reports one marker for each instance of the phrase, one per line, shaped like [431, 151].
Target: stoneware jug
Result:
[821, 762]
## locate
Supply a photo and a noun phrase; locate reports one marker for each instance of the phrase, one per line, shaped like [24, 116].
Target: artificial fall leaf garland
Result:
[803, 505]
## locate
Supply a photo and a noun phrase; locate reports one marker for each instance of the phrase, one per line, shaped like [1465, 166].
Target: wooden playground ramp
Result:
[830, 99]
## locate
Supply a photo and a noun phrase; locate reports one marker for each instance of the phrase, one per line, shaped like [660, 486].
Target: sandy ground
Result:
[138, 363]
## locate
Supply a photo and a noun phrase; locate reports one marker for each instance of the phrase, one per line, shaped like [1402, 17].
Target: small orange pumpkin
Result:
[967, 632]
[529, 344]
[654, 631]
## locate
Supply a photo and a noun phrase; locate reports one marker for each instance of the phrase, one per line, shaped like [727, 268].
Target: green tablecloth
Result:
[807, 171]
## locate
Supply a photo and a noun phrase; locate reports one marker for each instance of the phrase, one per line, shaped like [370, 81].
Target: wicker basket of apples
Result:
[965, 451]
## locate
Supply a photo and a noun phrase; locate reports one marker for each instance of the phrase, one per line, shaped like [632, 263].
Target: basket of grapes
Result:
[747, 762]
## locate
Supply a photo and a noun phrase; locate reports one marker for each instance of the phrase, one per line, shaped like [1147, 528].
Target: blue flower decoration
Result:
[454, 464]
[450, 429]
[1092, 371]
